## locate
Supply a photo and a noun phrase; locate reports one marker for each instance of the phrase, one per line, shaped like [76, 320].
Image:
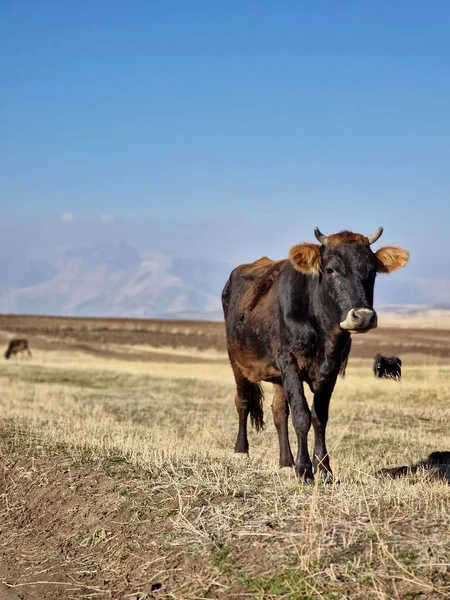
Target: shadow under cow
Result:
[437, 466]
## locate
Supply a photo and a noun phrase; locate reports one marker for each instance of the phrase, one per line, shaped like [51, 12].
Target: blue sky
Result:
[203, 114]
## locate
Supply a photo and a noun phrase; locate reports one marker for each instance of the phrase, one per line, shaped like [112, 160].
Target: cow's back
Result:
[249, 282]
[250, 307]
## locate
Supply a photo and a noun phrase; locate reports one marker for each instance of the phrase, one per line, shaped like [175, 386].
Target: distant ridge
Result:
[118, 280]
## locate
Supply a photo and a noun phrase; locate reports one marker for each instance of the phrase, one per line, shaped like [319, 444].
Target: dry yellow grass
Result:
[207, 525]
[423, 319]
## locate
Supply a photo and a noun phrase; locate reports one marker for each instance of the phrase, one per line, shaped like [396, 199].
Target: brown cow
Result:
[289, 322]
[17, 345]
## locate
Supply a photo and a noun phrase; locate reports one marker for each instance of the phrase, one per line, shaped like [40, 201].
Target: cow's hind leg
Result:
[241, 446]
[248, 401]
[280, 411]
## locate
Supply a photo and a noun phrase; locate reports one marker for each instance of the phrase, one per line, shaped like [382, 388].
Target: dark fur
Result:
[437, 466]
[387, 367]
[343, 367]
[15, 346]
[282, 325]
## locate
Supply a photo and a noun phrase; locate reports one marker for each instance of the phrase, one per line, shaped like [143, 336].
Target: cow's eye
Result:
[330, 271]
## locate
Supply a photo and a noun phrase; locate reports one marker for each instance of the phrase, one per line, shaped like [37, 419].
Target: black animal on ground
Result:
[289, 322]
[16, 346]
[387, 367]
[437, 465]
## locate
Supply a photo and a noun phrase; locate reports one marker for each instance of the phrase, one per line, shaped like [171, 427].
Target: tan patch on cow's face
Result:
[306, 258]
[391, 258]
[346, 237]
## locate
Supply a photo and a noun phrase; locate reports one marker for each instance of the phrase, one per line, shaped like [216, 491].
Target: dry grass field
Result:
[118, 479]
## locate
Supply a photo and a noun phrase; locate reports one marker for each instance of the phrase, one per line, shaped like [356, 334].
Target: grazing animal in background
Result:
[387, 367]
[289, 322]
[15, 346]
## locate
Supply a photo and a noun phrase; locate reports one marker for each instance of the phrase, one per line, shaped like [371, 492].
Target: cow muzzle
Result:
[359, 320]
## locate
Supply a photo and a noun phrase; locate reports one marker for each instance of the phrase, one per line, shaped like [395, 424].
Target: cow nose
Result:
[360, 319]
[364, 318]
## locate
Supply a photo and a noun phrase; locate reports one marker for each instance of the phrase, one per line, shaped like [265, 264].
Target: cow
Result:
[387, 367]
[289, 322]
[17, 345]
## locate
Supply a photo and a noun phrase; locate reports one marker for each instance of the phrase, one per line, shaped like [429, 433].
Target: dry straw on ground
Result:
[119, 481]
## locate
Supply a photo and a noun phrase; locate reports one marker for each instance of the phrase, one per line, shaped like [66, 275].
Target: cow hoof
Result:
[305, 475]
[241, 456]
[287, 471]
[327, 478]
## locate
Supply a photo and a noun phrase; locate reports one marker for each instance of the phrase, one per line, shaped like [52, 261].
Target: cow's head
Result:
[346, 268]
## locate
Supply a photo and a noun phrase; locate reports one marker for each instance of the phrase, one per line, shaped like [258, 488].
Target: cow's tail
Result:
[255, 404]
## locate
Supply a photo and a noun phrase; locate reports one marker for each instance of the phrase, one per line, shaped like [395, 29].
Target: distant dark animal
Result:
[289, 322]
[15, 346]
[437, 465]
[387, 367]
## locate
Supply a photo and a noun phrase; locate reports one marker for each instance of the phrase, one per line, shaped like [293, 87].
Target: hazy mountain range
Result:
[112, 280]
[117, 279]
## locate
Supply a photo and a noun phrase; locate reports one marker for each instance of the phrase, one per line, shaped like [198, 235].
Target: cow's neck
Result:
[326, 314]
[313, 325]
[332, 343]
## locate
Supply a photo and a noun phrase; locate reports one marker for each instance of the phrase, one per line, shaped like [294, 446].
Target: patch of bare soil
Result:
[95, 529]
[151, 332]
[97, 336]
[101, 528]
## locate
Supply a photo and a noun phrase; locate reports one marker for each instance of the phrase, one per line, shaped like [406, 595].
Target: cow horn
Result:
[319, 236]
[375, 235]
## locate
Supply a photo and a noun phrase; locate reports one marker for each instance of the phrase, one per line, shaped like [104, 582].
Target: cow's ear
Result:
[306, 258]
[391, 258]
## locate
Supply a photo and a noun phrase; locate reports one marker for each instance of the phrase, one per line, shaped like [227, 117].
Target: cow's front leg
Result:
[322, 394]
[301, 415]
[321, 459]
